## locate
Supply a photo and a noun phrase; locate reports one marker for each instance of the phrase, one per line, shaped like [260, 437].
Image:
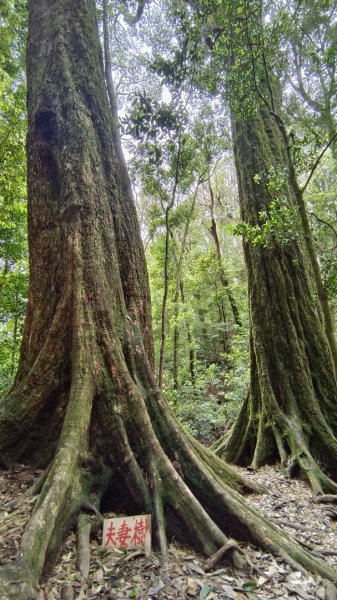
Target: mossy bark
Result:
[291, 411]
[84, 403]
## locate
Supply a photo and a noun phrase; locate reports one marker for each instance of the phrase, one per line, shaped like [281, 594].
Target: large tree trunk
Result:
[84, 403]
[291, 410]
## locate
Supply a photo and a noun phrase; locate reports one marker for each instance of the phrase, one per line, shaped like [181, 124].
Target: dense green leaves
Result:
[13, 228]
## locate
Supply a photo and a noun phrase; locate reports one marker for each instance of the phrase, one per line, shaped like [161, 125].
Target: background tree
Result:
[169, 167]
[285, 321]
[307, 61]
[273, 211]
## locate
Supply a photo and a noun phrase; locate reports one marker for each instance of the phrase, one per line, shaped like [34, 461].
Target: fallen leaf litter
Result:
[119, 576]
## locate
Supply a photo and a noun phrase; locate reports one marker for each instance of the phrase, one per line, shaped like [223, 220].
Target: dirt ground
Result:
[120, 575]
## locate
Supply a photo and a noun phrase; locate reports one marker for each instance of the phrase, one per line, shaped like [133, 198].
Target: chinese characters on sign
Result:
[125, 533]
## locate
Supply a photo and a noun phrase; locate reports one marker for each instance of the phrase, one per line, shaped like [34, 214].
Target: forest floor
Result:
[115, 576]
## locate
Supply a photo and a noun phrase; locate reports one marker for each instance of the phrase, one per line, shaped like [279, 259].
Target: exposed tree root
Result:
[215, 558]
[196, 494]
[159, 513]
[83, 544]
[256, 439]
[159, 468]
[326, 499]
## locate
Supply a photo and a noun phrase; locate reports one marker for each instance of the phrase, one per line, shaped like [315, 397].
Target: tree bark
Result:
[321, 291]
[168, 209]
[223, 279]
[179, 290]
[3, 279]
[163, 332]
[290, 413]
[176, 338]
[191, 352]
[85, 404]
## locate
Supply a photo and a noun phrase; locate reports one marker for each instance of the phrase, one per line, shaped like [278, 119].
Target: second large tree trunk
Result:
[291, 410]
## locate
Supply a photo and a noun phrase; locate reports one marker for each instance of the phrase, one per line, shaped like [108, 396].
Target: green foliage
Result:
[217, 395]
[306, 32]
[329, 273]
[200, 407]
[236, 376]
[281, 225]
[12, 37]
[220, 379]
[147, 116]
[12, 313]
[13, 217]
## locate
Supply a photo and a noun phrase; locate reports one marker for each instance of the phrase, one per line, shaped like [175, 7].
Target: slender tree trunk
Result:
[15, 336]
[179, 266]
[166, 270]
[85, 404]
[223, 279]
[191, 352]
[222, 323]
[176, 337]
[3, 277]
[165, 298]
[168, 235]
